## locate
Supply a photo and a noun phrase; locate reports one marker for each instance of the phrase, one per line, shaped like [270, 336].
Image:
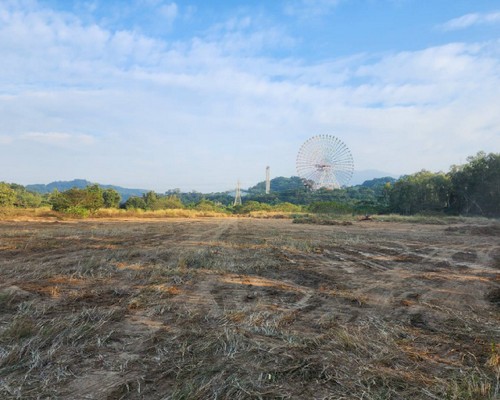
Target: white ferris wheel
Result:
[324, 161]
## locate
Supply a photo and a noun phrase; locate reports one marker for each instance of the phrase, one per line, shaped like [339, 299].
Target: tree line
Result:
[469, 189]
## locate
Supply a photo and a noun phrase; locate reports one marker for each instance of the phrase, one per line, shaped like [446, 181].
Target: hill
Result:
[359, 177]
[62, 186]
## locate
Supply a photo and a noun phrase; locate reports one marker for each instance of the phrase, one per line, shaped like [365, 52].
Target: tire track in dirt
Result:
[219, 293]
[201, 292]
[207, 232]
[400, 275]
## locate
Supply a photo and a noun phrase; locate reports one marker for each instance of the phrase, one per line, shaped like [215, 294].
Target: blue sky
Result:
[198, 94]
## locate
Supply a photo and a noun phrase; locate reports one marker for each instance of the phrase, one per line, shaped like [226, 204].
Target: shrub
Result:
[7, 195]
[135, 202]
[207, 205]
[74, 200]
[77, 212]
[287, 207]
[330, 207]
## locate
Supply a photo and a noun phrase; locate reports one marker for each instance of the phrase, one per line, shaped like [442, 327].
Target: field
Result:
[241, 308]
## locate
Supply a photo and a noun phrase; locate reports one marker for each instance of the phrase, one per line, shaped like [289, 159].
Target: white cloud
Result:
[310, 8]
[201, 113]
[169, 12]
[149, 3]
[469, 20]
[58, 138]
[248, 35]
[435, 75]
[6, 139]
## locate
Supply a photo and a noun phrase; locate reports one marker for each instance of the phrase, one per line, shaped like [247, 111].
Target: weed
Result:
[322, 219]
[471, 385]
[494, 363]
[20, 328]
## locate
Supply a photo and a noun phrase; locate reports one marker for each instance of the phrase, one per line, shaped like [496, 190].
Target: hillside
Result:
[62, 186]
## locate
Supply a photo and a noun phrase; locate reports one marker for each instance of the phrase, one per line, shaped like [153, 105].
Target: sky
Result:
[161, 94]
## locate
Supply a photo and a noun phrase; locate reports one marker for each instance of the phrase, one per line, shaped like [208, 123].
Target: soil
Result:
[248, 308]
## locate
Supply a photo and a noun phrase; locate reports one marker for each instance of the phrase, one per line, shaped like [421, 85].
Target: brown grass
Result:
[242, 308]
[45, 213]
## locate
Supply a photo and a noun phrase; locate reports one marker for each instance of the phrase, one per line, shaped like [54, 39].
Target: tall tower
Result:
[237, 196]
[268, 180]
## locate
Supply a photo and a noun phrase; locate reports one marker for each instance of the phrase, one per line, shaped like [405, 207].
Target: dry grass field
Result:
[239, 308]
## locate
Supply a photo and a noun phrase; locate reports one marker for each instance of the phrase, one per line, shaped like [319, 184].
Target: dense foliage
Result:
[14, 195]
[153, 201]
[476, 186]
[470, 189]
[423, 191]
[62, 186]
[84, 201]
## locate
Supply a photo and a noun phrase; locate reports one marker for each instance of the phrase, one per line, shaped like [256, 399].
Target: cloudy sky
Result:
[162, 94]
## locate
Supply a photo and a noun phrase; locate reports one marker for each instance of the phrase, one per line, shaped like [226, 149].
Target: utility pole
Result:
[268, 180]
[237, 196]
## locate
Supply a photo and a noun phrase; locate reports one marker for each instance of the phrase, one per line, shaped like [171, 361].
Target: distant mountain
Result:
[81, 184]
[368, 178]
[359, 177]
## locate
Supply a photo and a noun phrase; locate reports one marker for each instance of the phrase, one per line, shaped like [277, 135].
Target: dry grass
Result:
[431, 219]
[9, 213]
[169, 213]
[19, 214]
[273, 214]
[323, 219]
[241, 308]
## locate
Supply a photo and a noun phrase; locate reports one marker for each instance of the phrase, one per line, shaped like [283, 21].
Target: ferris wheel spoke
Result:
[325, 161]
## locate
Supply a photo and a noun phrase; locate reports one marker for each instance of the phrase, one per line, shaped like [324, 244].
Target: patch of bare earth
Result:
[244, 308]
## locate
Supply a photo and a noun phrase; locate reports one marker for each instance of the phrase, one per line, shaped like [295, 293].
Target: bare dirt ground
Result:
[244, 308]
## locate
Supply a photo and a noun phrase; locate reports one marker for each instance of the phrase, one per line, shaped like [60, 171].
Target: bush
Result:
[77, 212]
[287, 207]
[111, 198]
[7, 195]
[135, 203]
[169, 202]
[207, 205]
[330, 207]
[252, 205]
[74, 200]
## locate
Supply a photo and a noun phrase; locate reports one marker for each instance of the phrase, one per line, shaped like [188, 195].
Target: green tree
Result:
[421, 192]
[93, 198]
[476, 185]
[170, 202]
[207, 205]
[222, 198]
[150, 200]
[58, 201]
[134, 203]
[25, 199]
[78, 201]
[12, 194]
[7, 195]
[111, 198]
[191, 198]
[278, 184]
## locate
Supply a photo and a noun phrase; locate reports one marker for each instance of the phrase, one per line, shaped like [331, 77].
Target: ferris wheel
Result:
[324, 161]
